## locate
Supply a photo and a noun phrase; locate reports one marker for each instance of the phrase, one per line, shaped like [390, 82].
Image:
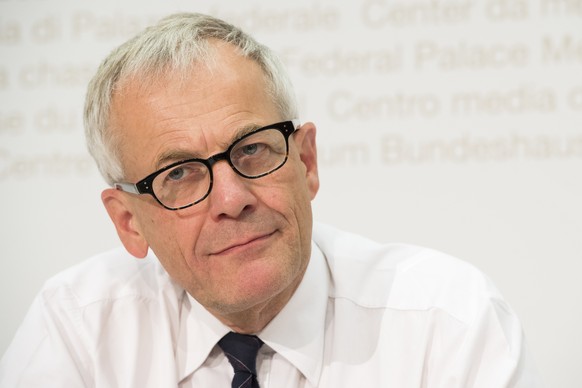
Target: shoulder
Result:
[402, 276]
[110, 275]
[81, 316]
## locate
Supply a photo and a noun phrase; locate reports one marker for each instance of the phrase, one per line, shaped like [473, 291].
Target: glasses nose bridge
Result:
[211, 161]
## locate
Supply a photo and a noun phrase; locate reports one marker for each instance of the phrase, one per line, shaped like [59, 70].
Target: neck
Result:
[255, 319]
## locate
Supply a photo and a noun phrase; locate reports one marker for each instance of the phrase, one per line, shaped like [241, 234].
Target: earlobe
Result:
[308, 154]
[125, 223]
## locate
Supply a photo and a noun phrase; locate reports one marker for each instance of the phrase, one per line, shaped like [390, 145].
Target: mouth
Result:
[241, 245]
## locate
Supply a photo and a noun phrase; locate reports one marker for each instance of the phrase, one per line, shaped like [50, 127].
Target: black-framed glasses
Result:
[188, 182]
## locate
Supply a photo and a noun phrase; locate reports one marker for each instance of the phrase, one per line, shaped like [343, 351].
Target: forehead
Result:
[194, 114]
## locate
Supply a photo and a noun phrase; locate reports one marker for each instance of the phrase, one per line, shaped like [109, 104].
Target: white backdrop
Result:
[451, 124]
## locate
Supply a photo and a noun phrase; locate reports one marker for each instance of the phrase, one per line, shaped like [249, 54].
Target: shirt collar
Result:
[303, 317]
[297, 332]
[198, 333]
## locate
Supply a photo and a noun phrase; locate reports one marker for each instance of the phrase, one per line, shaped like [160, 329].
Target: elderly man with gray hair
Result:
[195, 127]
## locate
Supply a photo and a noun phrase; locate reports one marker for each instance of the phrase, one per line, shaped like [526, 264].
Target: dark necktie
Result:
[241, 351]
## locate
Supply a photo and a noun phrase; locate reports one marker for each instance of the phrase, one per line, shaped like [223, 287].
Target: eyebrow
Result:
[175, 155]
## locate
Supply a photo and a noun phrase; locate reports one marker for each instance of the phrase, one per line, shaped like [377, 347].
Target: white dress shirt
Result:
[365, 315]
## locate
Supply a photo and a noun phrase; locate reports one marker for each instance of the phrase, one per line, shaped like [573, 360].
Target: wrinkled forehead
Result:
[169, 110]
[221, 65]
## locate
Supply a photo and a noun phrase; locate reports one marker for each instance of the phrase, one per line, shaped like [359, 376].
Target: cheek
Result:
[289, 186]
[161, 226]
[172, 237]
[173, 248]
[293, 202]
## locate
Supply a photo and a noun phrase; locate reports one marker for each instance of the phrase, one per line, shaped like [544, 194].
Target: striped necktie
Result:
[241, 351]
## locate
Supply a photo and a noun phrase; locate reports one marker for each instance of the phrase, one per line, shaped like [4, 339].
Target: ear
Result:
[305, 139]
[123, 218]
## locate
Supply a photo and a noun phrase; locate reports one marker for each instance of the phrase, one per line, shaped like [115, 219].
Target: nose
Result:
[230, 196]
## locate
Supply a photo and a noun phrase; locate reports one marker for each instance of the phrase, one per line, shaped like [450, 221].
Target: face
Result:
[247, 244]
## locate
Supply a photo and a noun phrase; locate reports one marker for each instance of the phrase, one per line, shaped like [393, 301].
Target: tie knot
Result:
[241, 351]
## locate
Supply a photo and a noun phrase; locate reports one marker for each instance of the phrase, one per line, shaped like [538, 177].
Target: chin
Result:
[256, 293]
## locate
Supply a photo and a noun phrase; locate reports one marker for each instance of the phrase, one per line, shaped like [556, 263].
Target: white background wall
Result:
[451, 124]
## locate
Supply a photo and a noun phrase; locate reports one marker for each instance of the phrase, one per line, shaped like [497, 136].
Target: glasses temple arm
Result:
[127, 187]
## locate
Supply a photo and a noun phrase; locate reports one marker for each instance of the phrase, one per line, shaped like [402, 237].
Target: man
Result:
[194, 126]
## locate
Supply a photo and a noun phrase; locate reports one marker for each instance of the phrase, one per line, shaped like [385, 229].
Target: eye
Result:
[189, 172]
[176, 174]
[251, 149]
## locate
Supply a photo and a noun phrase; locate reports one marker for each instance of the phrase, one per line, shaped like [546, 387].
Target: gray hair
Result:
[174, 45]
